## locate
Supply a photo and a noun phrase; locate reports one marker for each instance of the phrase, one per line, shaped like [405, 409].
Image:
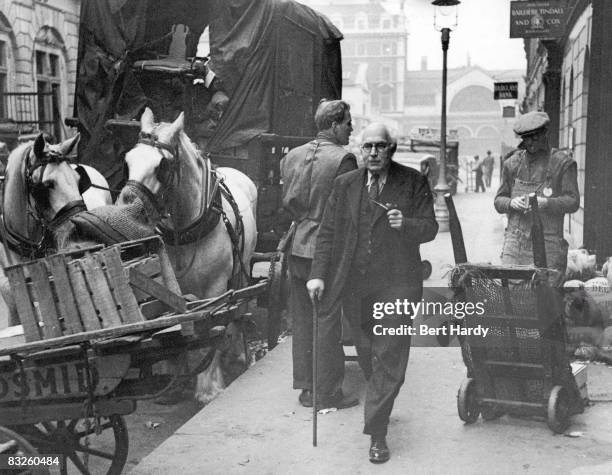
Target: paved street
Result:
[257, 425]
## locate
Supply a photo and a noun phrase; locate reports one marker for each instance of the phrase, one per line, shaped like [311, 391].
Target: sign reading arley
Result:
[537, 19]
[505, 90]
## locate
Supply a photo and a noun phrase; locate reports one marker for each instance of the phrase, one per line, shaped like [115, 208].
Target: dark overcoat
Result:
[407, 190]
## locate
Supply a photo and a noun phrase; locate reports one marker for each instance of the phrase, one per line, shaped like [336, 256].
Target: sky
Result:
[482, 33]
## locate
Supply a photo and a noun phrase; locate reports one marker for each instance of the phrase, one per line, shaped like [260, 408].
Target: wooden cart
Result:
[95, 323]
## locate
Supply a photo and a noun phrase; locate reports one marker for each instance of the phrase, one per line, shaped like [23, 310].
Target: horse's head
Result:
[51, 180]
[39, 182]
[154, 162]
[166, 160]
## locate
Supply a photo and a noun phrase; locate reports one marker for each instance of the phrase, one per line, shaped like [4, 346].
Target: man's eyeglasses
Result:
[379, 146]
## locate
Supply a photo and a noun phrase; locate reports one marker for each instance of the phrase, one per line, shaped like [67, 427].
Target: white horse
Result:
[168, 163]
[29, 200]
[209, 213]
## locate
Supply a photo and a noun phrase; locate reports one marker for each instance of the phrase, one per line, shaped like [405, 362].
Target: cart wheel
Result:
[277, 293]
[467, 405]
[558, 410]
[11, 443]
[427, 269]
[490, 413]
[85, 451]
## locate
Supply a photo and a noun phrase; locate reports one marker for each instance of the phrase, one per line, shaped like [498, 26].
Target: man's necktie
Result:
[373, 192]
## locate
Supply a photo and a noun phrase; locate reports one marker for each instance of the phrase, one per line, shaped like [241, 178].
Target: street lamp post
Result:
[445, 19]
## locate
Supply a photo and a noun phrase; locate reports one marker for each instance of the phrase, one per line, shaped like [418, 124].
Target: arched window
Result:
[473, 99]
[487, 131]
[7, 66]
[464, 132]
[50, 70]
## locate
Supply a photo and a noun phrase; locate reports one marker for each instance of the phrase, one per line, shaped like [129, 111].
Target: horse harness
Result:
[23, 245]
[210, 211]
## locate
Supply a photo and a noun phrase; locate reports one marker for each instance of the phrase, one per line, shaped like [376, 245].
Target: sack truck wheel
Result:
[467, 404]
[427, 269]
[490, 413]
[558, 410]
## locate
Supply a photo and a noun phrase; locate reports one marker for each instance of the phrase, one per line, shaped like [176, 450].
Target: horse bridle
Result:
[168, 170]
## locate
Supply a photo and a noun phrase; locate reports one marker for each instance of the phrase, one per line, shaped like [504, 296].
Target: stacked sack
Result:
[588, 306]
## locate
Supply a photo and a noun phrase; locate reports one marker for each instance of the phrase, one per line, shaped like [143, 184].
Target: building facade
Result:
[376, 34]
[568, 78]
[480, 122]
[38, 51]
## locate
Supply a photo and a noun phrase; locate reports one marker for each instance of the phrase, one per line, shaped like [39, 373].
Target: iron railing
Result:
[26, 108]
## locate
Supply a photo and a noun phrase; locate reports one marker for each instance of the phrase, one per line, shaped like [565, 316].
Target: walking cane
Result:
[315, 335]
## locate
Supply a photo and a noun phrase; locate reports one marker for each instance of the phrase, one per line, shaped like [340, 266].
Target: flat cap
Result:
[530, 123]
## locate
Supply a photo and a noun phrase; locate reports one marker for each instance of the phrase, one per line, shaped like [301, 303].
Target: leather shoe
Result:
[305, 398]
[338, 400]
[379, 452]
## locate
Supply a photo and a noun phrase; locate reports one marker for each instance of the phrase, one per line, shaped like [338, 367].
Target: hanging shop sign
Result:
[505, 90]
[538, 19]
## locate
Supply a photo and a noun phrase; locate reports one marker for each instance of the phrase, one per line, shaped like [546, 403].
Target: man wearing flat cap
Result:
[551, 175]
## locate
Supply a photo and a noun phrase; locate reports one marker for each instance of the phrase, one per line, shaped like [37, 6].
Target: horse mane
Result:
[15, 197]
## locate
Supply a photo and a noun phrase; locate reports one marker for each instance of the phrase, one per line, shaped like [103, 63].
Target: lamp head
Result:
[445, 14]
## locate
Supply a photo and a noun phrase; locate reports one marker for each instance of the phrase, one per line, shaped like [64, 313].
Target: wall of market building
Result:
[569, 79]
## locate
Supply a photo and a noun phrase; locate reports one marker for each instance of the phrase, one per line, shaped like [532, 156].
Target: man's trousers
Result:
[383, 358]
[331, 355]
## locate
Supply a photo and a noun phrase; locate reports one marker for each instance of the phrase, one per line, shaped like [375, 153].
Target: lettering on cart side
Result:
[47, 381]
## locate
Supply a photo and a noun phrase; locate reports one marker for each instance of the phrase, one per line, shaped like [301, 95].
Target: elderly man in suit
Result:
[367, 253]
[308, 173]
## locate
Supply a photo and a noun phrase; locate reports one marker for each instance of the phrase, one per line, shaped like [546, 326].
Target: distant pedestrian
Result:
[488, 163]
[477, 167]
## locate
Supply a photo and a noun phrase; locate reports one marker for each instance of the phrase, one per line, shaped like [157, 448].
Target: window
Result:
[349, 22]
[373, 48]
[389, 49]
[374, 22]
[386, 24]
[361, 22]
[385, 101]
[3, 78]
[361, 49]
[348, 49]
[48, 84]
[386, 73]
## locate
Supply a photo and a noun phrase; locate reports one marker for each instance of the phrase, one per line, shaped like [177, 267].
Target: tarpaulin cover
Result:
[244, 37]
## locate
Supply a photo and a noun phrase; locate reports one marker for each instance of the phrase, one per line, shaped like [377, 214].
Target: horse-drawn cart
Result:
[101, 329]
